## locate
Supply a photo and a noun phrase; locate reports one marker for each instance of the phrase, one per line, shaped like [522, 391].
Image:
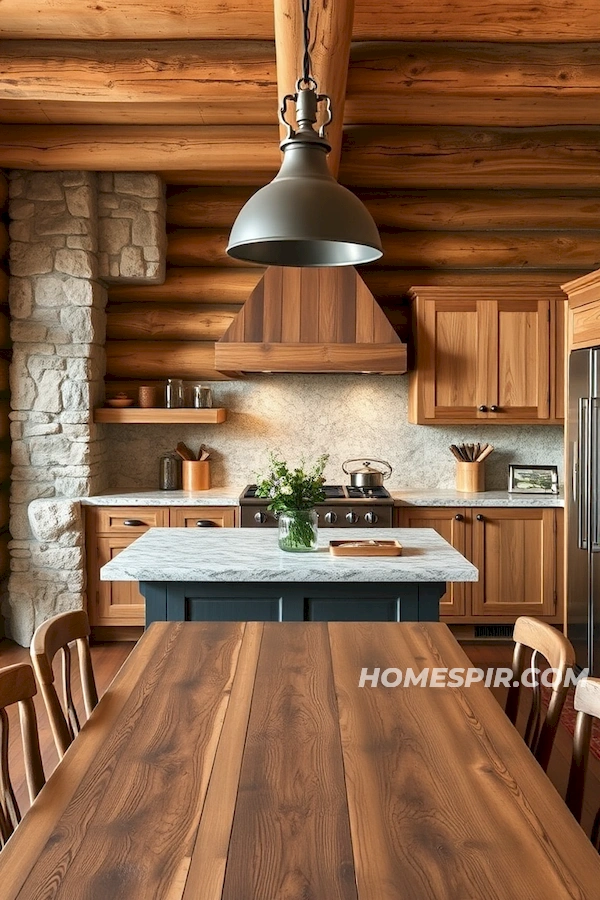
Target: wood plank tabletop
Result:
[242, 761]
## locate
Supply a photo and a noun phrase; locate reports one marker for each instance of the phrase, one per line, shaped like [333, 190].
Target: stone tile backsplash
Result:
[344, 415]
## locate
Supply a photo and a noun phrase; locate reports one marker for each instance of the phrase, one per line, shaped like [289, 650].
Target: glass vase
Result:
[298, 530]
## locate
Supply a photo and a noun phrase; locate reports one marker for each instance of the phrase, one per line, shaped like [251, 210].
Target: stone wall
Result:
[62, 249]
[132, 236]
[56, 377]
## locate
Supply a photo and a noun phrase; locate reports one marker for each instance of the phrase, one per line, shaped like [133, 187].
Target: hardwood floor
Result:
[108, 658]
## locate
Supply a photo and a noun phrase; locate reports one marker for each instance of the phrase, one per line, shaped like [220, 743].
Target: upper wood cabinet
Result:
[487, 355]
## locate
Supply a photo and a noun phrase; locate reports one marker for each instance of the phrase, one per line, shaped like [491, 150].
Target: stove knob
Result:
[330, 518]
[260, 517]
[371, 518]
[351, 518]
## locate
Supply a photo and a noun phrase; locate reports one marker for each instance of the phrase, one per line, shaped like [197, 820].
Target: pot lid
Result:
[365, 469]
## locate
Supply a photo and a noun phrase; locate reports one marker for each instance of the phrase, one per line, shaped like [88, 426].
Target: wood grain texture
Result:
[201, 285]
[413, 209]
[161, 359]
[272, 774]
[330, 27]
[291, 789]
[417, 156]
[201, 247]
[132, 415]
[215, 20]
[248, 154]
[138, 763]
[444, 83]
[408, 826]
[168, 322]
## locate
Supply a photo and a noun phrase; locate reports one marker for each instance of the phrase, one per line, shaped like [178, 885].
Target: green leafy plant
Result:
[292, 489]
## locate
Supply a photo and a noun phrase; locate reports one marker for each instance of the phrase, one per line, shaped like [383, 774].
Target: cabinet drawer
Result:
[130, 519]
[195, 516]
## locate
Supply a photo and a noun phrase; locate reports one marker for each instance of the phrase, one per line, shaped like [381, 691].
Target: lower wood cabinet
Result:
[518, 554]
[110, 529]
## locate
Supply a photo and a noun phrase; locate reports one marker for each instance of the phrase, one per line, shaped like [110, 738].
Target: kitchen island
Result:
[238, 574]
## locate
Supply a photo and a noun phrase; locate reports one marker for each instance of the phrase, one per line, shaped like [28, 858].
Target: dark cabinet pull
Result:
[459, 517]
[483, 409]
[206, 523]
[133, 523]
[494, 409]
[479, 518]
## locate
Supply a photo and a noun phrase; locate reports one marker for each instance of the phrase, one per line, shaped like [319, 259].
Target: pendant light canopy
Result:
[304, 217]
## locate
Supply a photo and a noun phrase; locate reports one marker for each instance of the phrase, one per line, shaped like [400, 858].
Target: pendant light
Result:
[304, 217]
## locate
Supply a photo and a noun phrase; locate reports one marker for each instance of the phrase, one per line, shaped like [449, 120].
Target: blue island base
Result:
[172, 601]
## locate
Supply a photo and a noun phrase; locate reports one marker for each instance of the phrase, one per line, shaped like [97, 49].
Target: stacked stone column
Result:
[57, 378]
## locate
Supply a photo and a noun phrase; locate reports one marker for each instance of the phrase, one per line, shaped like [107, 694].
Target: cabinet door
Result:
[202, 516]
[517, 356]
[116, 602]
[450, 523]
[515, 552]
[452, 371]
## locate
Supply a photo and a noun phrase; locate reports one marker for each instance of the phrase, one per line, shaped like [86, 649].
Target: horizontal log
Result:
[479, 209]
[161, 359]
[479, 250]
[391, 285]
[214, 20]
[200, 247]
[206, 207]
[214, 207]
[450, 157]
[473, 84]
[192, 286]
[222, 81]
[429, 249]
[72, 112]
[247, 154]
[172, 322]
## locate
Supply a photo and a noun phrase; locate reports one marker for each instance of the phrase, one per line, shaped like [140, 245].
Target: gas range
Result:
[344, 507]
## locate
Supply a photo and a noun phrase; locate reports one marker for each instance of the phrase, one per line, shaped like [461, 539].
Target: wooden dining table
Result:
[242, 761]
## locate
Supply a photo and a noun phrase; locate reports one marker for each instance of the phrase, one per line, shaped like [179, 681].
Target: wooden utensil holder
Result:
[195, 475]
[470, 477]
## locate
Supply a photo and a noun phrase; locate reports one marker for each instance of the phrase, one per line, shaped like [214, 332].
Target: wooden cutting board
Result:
[365, 548]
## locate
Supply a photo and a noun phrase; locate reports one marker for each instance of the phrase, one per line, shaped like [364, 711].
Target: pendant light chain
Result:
[306, 61]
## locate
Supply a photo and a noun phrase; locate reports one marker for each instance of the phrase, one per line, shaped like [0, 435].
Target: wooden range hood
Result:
[311, 320]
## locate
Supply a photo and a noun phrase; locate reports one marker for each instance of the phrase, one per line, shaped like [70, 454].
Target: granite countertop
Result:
[228, 496]
[485, 498]
[212, 497]
[233, 554]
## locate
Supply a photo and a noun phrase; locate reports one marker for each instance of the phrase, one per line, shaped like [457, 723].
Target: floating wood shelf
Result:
[135, 416]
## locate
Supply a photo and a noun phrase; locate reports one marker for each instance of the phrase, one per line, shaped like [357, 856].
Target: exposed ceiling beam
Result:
[497, 20]
[230, 82]
[331, 35]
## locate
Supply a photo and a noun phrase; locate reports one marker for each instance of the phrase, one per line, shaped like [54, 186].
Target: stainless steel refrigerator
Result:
[583, 507]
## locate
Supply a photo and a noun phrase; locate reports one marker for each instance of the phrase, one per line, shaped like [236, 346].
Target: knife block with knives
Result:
[195, 471]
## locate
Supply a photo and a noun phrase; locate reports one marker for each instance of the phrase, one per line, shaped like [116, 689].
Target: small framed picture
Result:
[533, 479]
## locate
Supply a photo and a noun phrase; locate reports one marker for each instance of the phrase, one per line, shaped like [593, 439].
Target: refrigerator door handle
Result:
[583, 494]
[594, 463]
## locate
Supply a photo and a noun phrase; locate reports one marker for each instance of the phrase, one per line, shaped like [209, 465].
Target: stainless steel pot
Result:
[365, 475]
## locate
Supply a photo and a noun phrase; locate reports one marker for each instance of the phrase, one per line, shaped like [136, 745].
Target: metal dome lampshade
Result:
[304, 217]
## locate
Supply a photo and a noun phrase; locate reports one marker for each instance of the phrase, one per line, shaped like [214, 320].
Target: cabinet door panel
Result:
[190, 516]
[518, 358]
[117, 602]
[450, 523]
[514, 550]
[449, 351]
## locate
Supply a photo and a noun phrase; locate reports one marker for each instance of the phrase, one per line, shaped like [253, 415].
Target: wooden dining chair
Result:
[17, 685]
[543, 640]
[587, 704]
[53, 635]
